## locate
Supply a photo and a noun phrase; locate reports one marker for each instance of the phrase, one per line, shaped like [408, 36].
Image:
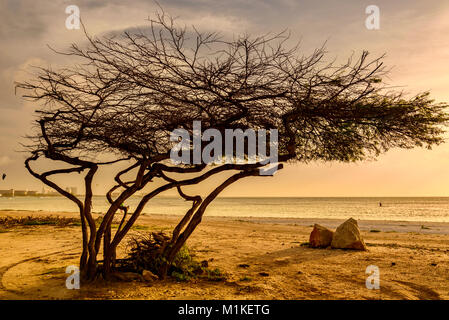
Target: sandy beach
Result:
[411, 256]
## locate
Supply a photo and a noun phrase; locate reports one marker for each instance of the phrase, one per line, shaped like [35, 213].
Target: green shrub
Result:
[246, 278]
[146, 253]
[9, 222]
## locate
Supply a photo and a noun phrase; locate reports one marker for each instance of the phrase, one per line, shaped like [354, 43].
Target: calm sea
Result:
[400, 209]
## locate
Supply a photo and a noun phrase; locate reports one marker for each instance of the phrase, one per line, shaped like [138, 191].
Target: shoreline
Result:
[401, 226]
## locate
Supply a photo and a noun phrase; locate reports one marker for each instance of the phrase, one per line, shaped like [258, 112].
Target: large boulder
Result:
[347, 236]
[321, 237]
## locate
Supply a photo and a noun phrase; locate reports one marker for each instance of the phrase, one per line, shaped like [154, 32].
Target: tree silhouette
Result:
[125, 94]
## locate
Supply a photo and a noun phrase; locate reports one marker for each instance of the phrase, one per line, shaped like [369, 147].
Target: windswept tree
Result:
[125, 94]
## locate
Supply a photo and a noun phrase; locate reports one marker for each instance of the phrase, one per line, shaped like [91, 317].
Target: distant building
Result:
[7, 193]
[72, 190]
[49, 192]
[20, 193]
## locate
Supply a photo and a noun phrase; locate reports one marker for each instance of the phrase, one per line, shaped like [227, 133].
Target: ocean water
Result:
[435, 209]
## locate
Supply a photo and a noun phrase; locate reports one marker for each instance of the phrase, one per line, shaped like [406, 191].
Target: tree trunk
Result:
[91, 270]
[84, 253]
[180, 240]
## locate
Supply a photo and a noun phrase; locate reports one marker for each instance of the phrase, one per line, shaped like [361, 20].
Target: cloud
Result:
[4, 160]
[20, 20]
[412, 33]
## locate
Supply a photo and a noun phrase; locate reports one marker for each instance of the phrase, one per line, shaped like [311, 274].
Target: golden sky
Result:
[413, 34]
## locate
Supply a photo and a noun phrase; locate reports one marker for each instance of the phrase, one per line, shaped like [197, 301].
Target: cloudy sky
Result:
[413, 34]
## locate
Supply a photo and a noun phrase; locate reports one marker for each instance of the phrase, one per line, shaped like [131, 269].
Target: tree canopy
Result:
[125, 93]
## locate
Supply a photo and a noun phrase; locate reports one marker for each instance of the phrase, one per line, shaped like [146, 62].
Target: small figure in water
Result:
[380, 204]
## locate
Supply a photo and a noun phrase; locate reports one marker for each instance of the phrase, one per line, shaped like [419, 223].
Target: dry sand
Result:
[413, 261]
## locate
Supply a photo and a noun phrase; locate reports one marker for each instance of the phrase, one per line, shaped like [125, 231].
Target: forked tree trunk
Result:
[177, 242]
[88, 263]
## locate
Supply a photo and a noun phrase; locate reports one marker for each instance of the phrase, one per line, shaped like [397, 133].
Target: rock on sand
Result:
[347, 236]
[321, 237]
